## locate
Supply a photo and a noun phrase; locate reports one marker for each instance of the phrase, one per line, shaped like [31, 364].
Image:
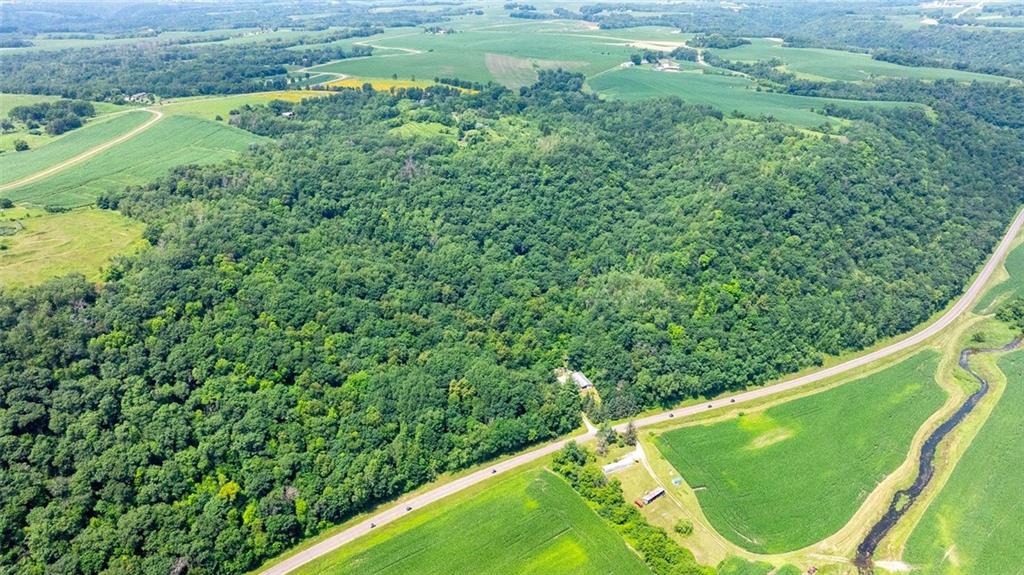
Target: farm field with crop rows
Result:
[531, 522]
[789, 476]
[726, 93]
[14, 166]
[173, 141]
[974, 525]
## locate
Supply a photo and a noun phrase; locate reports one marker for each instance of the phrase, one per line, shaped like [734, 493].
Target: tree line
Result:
[173, 70]
[338, 317]
[56, 117]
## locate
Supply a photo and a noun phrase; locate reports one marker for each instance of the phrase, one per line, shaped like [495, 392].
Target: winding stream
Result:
[904, 498]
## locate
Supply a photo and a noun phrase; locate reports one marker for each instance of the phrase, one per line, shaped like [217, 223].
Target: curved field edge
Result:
[973, 525]
[787, 477]
[173, 141]
[529, 522]
[19, 165]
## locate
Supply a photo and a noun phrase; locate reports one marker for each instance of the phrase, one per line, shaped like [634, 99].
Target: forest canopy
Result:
[339, 316]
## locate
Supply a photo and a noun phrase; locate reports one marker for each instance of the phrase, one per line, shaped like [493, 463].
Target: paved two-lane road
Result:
[442, 491]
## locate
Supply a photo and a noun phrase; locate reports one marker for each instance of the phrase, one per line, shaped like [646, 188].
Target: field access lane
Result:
[157, 116]
[440, 492]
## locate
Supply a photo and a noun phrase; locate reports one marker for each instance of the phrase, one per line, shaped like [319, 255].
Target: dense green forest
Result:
[338, 317]
[171, 69]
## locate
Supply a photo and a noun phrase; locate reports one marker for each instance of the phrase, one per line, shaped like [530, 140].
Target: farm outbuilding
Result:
[581, 380]
[652, 495]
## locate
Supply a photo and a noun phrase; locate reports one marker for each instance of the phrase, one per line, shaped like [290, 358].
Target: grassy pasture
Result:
[50, 245]
[210, 107]
[424, 130]
[314, 79]
[14, 166]
[1013, 285]
[515, 72]
[173, 141]
[789, 476]
[8, 101]
[737, 566]
[726, 93]
[822, 64]
[530, 522]
[975, 523]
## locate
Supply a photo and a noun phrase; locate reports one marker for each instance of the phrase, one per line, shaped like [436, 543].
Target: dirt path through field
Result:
[157, 116]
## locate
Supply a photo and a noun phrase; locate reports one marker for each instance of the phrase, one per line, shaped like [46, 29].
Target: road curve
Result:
[440, 492]
[157, 116]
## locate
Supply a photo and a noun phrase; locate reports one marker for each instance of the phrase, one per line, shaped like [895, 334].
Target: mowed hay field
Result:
[529, 523]
[789, 476]
[173, 141]
[516, 72]
[976, 523]
[17, 165]
[50, 245]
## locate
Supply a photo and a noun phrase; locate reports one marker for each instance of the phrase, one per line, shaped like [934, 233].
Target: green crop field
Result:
[1013, 285]
[824, 64]
[39, 137]
[36, 246]
[509, 52]
[173, 141]
[976, 523]
[782, 479]
[531, 522]
[210, 107]
[17, 165]
[726, 93]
